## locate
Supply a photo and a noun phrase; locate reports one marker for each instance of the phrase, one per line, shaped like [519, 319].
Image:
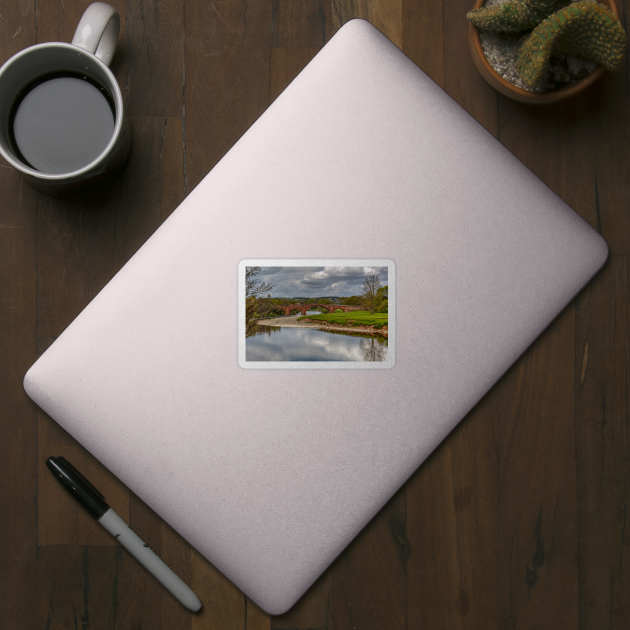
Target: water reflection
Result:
[265, 330]
[373, 350]
[275, 343]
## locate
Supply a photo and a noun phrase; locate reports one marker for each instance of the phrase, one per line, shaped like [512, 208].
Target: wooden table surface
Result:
[518, 520]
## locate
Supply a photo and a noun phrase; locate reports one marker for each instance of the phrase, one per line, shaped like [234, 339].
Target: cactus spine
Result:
[583, 29]
[513, 16]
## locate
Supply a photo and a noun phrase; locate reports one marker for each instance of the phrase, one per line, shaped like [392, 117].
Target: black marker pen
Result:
[94, 502]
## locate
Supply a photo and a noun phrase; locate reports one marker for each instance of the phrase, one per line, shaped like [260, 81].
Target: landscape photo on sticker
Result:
[310, 313]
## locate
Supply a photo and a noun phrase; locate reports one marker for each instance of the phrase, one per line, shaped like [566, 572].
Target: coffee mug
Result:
[62, 114]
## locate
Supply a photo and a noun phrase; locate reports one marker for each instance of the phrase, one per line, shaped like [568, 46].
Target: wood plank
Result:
[226, 78]
[74, 248]
[300, 22]
[171, 158]
[312, 611]
[255, 617]
[608, 126]
[558, 147]
[18, 423]
[452, 527]
[603, 442]
[76, 587]
[17, 28]
[224, 606]
[537, 537]
[369, 577]
[154, 57]
[423, 36]
[386, 15]
[285, 64]
[461, 78]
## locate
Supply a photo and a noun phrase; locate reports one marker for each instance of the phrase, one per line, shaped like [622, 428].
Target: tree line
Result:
[259, 303]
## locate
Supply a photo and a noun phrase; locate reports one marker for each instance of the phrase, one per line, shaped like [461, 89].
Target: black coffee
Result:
[61, 123]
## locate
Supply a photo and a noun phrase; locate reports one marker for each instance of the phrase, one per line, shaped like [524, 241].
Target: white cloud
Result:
[319, 281]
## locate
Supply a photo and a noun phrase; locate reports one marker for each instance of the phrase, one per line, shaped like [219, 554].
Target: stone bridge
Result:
[331, 308]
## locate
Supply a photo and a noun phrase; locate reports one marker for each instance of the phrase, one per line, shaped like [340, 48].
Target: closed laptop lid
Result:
[363, 163]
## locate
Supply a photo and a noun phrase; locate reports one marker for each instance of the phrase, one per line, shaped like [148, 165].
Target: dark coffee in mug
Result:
[61, 122]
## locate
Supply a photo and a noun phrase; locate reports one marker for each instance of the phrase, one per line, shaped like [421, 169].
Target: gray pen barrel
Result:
[149, 559]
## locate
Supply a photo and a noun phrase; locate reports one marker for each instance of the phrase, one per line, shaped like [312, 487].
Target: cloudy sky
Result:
[319, 281]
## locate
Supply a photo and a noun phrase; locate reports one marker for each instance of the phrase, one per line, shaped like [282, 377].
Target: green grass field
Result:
[359, 317]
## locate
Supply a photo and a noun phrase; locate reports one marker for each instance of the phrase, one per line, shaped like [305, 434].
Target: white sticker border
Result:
[318, 262]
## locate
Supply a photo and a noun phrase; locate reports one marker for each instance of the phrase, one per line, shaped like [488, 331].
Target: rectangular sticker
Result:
[314, 314]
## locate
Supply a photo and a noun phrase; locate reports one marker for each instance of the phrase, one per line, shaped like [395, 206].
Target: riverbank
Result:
[293, 322]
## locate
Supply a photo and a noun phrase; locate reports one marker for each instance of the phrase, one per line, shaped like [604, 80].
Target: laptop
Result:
[362, 171]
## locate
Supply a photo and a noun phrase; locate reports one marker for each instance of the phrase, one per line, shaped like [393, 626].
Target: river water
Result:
[277, 343]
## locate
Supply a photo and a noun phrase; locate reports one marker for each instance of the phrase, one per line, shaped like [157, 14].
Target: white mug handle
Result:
[98, 31]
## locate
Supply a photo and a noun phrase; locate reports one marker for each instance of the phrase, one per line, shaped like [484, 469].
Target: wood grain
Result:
[285, 64]
[517, 520]
[573, 149]
[226, 78]
[461, 79]
[609, 133]
[537, 510]
[300, 22]
[18, 416]
[452, 515]
[313, 609]
[224, 606]
[76, 587]
[386, 15]
[422, 36]
[369, 577]
[602, 380]
[154, 57]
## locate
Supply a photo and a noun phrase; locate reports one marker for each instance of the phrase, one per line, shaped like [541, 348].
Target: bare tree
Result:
[370, 286]
[254, 287]
[256, 305]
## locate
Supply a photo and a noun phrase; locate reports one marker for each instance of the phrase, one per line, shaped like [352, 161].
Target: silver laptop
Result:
[267, 462]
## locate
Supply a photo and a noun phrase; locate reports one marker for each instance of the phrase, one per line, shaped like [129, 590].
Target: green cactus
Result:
[584, 29]
[513, 16]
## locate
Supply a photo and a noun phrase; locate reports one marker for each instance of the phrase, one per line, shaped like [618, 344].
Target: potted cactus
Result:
[558, 49]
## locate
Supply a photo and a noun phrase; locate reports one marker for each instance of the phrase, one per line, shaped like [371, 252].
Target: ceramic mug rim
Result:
[114, 89]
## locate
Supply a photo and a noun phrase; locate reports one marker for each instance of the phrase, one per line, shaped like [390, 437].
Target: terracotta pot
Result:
[518, 94]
